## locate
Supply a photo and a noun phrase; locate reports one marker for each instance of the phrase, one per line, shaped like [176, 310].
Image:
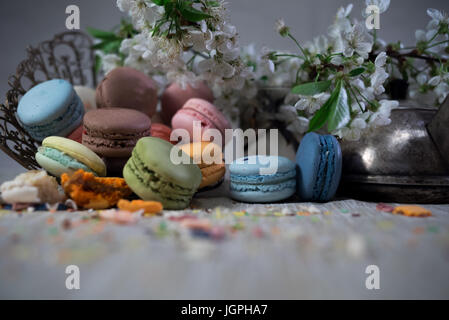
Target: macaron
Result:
[203, 112]
[87, 96]
[161, 131]
[209, 158]
[113, 132]
[153, 176]
[319, 162]
[51, 108]
[262, 179]
[77, 134]
[125, 87]
[174, 97]
[59, 155]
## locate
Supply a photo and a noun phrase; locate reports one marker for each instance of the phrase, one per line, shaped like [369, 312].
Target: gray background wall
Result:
[25, 22]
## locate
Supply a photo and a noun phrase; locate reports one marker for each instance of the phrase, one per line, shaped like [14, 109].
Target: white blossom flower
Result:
[382, 116]
[311, 104]
[109, 62]
[354, 131]
[381, 60]
[319, 45]
[357, 41]
[441, 85]
[281, 28]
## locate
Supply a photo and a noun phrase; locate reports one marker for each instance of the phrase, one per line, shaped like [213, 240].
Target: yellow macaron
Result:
[59, 155]
[209, 158]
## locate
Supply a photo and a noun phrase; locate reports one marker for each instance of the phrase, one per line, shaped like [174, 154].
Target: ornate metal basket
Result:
[68, 56]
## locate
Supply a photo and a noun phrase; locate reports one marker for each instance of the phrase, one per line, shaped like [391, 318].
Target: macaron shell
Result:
[263, 193]
[247, 169]
[174, 97]
[156, 154]
[128, 88]
[78, 152]
[45, 102]
[308, 160]
[184, 119]
[212, 174]
[211, 112]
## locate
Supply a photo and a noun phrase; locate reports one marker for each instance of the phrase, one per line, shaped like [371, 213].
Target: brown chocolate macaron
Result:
[113, 132]
[125, 87]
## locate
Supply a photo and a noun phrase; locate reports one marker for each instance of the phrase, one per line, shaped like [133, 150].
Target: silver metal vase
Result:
[400, 162]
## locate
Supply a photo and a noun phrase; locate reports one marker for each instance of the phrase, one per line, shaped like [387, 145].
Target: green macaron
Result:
[152, 175]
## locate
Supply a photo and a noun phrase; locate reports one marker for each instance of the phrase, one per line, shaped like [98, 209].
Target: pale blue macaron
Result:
[51, 108]
[319, 161]
[262, 179]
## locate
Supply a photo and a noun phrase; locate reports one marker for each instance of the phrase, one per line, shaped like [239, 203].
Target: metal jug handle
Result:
[438, 129]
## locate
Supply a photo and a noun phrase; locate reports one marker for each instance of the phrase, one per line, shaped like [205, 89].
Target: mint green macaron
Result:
[152, 175]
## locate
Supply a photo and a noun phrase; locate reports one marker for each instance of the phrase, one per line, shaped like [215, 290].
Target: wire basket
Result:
[69, 56]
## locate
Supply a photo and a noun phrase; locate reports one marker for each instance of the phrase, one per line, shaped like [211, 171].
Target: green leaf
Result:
[193, 15]
[213, 3]
[160, 2]
[108, 46]
[100, 34]
[356, 72]
[98, 63]
[339, 114]
[312, 88]
[321, 116]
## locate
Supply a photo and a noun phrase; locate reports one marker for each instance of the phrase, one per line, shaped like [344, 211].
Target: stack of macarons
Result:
[109, 132]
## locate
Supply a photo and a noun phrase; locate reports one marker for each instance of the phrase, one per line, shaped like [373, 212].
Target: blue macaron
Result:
[51, 108]
[319, 162]
[262, 179]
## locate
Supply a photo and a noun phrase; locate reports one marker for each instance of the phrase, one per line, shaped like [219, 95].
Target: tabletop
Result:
[221, 249]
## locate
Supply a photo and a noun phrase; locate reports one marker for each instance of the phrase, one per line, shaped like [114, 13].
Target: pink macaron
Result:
[202, 111]
[174, 97]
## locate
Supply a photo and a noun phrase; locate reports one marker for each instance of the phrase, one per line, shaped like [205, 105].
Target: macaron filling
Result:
[63, 159]
[62, 125]
[156, 183]
[322, 169]
[330, 170]
[243, 187]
